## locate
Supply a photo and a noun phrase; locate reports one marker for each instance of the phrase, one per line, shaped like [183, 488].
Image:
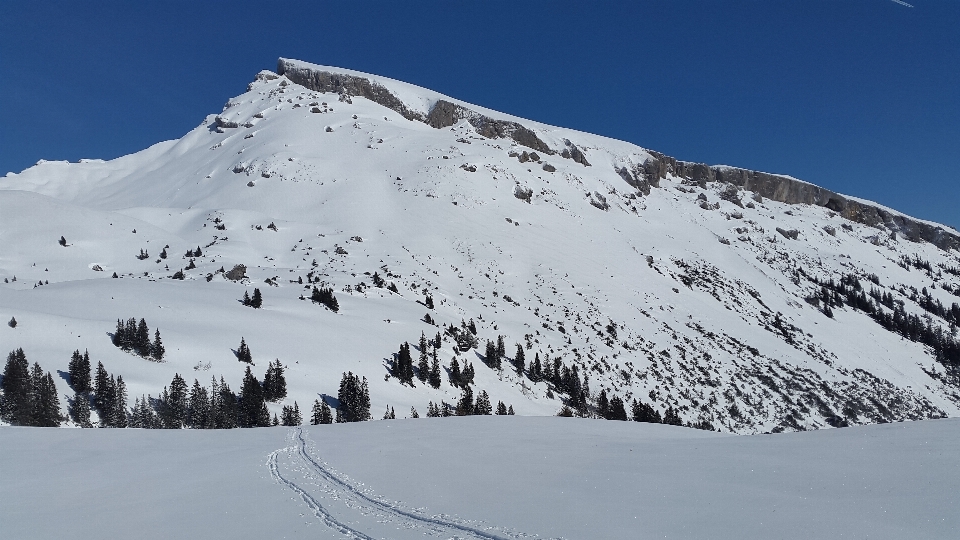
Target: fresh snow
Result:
[481, 477]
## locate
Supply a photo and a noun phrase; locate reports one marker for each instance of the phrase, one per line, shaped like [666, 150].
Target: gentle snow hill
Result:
[699, 296]
[490, 477]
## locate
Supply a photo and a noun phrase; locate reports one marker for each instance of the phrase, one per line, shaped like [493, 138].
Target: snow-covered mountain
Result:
[746, 301]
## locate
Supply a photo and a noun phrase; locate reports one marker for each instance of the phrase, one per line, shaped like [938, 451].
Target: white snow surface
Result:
[359, 189]
[482, 477]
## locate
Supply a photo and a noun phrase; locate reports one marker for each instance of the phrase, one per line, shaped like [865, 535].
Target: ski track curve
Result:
[363, 501]
[314, 505]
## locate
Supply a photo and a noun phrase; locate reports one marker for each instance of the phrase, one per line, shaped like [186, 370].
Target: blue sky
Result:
[859, 96]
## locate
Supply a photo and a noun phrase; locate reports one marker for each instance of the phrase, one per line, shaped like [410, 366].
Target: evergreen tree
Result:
[483, 404]
[12, 323]
[101, 389]
[246, 298]
[428, 302]
[177, 403]
[603, 407]
[455, 374]
[465, 406]
[403, 365]
[157, 349]
[321, 413]
[227, 406]
[243, 352]
[501, 353]
[519, 362]
[118, 334]
[617, 411]
[354, 399]
[536, 369]
[274, 422]
[466, 376]
[672, 417]
[257, 301]
[79, 370]
[198, 407]
[290, 416]
[80, 409]
[434, 377]
[423, 367]
[510, 410]
[325, 297]
[489, 354]
[142, 345]
[501, 408]
[274, 383]
[414, 413]
[119, 413]
[433, 411]
[252, 406]
[390, 414]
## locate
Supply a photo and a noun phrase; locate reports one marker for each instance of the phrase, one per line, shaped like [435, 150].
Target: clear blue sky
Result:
[859, 96]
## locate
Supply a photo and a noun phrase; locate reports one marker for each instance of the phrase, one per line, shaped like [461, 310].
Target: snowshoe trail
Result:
[347, 509]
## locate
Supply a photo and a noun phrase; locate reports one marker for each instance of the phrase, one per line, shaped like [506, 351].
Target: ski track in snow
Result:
[336, 488]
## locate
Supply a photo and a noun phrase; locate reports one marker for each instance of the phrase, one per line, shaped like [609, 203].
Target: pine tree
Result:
[617, 411]
[290, 416]
[157, 350]
[326, 415]
[433, 411]
[434, 377]
[177, 403]
[142, 345]
[275, 422]
[428, 302]
[119, 413]
[389, 415]
[80, 371]
[423, 367]
[354, 399]
[501, 353]
[603, 407]
[80, 409]
[243, 352]
[414, 413]
[403, 365]
[483, 404]
[455, 374]
[246, 298]
[519, 362]
[100, 390]
[118, 334]
[536, 369]
[252, 403]
[510, 410]
[490, 351]
[466, 376]
[257, 301]
[465, 406]
[501, 408]
[12, 323]
[198, 407]
[671, 417]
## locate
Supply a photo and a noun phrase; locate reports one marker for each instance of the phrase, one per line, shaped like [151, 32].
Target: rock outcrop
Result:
[792, 191]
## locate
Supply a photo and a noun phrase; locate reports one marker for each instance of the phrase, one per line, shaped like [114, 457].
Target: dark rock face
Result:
[574, 153]
[791, 191]
[792, 234]
[346, 86]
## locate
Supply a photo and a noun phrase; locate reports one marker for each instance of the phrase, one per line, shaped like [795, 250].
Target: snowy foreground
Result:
[481, 477]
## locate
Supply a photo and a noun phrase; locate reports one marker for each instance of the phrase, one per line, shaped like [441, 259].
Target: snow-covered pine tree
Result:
[257, 301]
[501, 408]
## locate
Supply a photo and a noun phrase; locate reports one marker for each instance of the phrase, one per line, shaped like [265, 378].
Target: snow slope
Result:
[489, 477]
[673, 298]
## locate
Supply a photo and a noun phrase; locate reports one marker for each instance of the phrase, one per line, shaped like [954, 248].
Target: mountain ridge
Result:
[702, 291]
